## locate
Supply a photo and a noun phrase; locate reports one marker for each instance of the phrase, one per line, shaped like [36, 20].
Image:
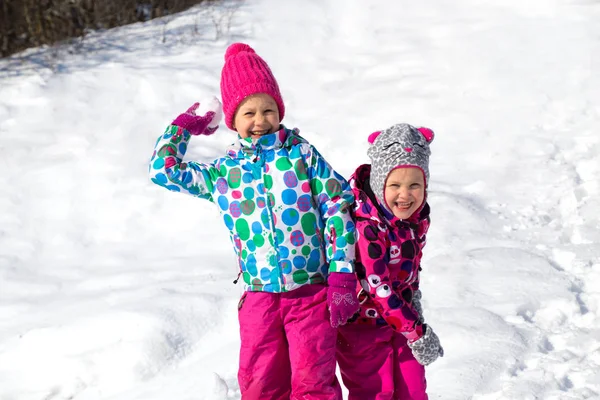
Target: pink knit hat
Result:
[243, 75]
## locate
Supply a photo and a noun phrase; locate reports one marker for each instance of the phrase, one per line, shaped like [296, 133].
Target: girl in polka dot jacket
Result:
[289, 218]
[381, 355]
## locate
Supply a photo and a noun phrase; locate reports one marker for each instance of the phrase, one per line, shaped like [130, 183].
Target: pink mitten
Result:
[341, 297]
[204, 124]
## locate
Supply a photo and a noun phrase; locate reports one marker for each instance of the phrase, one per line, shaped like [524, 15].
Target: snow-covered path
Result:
[111, 288]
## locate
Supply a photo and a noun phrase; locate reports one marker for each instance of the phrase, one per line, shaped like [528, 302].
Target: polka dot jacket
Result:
[388, 257]
[286, 209]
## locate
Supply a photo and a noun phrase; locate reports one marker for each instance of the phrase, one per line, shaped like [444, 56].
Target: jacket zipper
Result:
[239, 257]
[333, 240]
[273, 231]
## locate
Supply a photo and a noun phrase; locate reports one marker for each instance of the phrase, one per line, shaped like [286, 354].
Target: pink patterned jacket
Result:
[388, 258]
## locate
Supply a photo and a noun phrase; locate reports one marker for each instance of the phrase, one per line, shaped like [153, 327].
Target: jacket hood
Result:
[368, 207]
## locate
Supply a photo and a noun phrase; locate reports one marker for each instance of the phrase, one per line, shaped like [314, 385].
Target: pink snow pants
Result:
[288, 346]
[376, 364]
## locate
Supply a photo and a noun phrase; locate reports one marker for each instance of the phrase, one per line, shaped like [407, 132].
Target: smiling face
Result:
[404, 191]
[257, 115]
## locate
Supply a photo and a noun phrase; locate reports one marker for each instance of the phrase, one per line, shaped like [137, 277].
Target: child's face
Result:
[257, 115]
[405, 191]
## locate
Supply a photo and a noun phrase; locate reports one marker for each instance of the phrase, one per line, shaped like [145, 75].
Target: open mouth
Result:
[404, 206]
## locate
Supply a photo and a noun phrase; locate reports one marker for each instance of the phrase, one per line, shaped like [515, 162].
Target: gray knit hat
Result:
[399, 145]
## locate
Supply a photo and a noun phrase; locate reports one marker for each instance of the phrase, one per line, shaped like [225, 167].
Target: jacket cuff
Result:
[341, 266]
[415, 335]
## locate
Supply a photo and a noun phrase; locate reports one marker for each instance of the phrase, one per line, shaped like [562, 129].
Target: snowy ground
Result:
[94, 306]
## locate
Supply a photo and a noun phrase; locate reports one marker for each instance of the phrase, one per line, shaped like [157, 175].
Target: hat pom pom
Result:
[373, 136]
[237, 48]
[427, 133]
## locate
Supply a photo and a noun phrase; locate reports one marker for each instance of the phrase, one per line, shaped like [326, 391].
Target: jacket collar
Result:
[252, 147]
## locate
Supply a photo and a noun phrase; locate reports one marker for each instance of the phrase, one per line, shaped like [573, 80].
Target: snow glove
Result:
[341, 297]
[427, 348]
[204, 124]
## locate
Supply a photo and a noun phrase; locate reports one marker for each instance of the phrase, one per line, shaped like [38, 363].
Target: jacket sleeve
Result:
[167, 168]
[422, 228]
[372, 248]
[334, 198]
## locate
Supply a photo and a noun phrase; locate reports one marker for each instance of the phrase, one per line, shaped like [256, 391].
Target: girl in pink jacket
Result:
[383, 353]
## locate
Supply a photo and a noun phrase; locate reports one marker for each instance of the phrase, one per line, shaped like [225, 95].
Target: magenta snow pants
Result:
[288, 346]
[376, 364]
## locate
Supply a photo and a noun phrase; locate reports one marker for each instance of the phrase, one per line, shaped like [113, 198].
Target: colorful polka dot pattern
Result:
[287, 210]
[388, 255]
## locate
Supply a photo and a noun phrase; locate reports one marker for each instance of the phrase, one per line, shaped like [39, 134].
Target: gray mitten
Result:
[416, 302]
[427, 348]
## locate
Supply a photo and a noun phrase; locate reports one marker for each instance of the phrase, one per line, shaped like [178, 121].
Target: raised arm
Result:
[167, 167]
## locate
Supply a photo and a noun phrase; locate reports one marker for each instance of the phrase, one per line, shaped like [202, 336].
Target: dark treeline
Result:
[30, 23]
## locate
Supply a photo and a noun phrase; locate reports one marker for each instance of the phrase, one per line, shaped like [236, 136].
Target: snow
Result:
[113, 288]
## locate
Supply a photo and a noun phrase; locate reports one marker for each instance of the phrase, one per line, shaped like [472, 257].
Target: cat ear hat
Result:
[401, 145]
